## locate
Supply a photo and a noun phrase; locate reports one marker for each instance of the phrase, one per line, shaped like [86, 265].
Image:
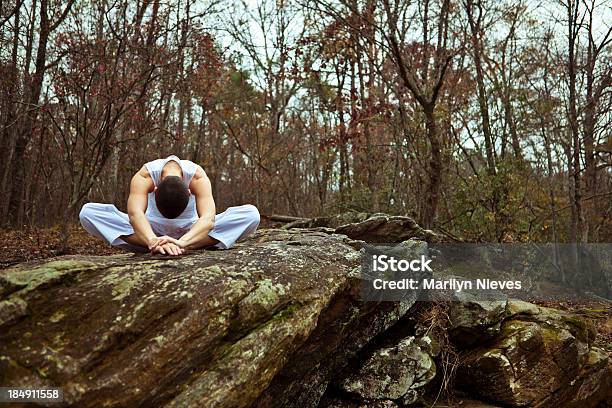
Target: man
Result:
[170, 209]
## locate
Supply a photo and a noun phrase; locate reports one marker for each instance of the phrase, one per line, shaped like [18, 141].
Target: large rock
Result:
[276, 322]
[387, 229]
[348, 403]
[393, 373]
[212, 328]
[541, 357]
[332, 222]
[474, 320]
[368, 227]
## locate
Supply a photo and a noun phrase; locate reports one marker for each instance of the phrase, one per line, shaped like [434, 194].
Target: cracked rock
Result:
[392, 373]
[543, 358]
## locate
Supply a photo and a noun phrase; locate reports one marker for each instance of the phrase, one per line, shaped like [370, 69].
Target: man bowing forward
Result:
[170, 209]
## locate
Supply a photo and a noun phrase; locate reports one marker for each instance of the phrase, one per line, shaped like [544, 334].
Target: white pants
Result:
[105, 221]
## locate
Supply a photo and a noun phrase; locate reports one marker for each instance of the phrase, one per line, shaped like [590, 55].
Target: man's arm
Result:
[140, 186]
[197, 237]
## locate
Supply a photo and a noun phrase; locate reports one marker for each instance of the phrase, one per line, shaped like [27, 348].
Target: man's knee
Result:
[252, 214]
[86, 212]
[87, 216]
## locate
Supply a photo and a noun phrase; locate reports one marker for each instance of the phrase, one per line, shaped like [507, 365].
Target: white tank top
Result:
[178, 226]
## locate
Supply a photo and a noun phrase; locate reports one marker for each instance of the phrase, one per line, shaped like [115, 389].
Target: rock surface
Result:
[330, 222]
[393, 373]
[208, 329]
[385, 228]
[213, 328]
[473, 320]
[540, 357]
[377, 227]
[276, 322]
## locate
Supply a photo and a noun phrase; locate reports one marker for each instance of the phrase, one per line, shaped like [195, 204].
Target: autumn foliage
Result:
[487, 120]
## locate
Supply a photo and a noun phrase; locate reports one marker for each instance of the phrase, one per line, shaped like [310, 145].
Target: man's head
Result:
[171, 196]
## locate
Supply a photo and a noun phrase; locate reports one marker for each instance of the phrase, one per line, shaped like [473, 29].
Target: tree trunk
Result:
[482, 95]
[15, 207]
[10, 120]
[18, 163]
[577, 216]
[435, 169]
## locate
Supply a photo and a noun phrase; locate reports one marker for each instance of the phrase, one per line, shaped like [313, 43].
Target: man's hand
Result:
[181, 243]
[178, 242]
[156, 241]
[168, 249]
[166, 245]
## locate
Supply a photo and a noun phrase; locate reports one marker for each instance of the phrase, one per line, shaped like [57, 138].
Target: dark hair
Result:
[171, 196]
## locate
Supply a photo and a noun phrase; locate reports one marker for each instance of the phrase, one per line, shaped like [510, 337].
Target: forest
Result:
[487, 120]
[469, 137]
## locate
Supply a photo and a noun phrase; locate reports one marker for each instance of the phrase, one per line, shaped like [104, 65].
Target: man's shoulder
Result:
[154, 163]
[141, 182]
[144, 172]
[199, 173]
[189, 163]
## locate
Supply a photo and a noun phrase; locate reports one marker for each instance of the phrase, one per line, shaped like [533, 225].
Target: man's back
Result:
[154, 169]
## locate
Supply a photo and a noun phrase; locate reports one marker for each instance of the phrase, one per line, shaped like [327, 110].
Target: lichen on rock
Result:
[540, 357]
[278, 321]
[392, 373]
